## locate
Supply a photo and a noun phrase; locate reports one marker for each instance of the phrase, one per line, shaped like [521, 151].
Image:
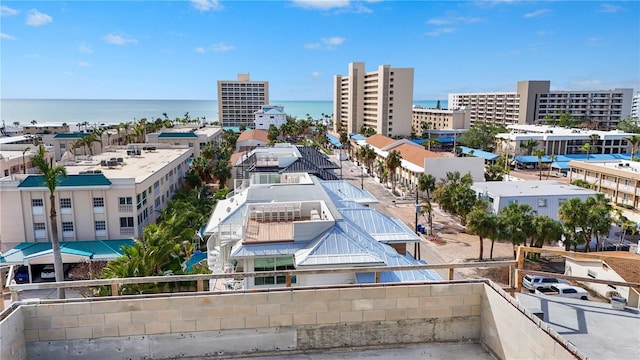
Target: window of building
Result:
[98, 202]
[126, 222]
[67, 226]
[125, 200]
[65, 203]
[40, 230]
[37, 206]
[542, 202]
[100, 225]
[273, 264]
[37, 202]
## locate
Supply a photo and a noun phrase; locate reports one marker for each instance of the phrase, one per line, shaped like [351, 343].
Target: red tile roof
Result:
[379, 141]
[257, 134]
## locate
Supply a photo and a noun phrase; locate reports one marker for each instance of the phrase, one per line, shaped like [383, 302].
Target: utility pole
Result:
[416, 250]
[362, 176]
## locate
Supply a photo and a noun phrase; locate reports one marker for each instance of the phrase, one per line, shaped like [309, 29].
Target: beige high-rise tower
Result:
[238, 100]
[381, 100]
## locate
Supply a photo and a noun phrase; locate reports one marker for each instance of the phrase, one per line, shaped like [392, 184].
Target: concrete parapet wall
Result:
[512, 332]
[204, 325]
[276, 320]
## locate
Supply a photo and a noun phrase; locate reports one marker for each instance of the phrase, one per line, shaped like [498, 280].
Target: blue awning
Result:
[334, 140]
[530, 159]
[560, 165]
[479, 153]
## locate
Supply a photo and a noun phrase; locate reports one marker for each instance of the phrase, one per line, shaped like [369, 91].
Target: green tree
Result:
[427, 183]
[481, 223]
[545, 231]
[552, 159]
[24, 163]
[493, 172]
[481, 135]
[454, 194]
[586, 147]
[598, 217]
[273, 133]
[581, 183]
[539, 153]
[628, 125]
[529, 145]
[51, 179]
[633, 140]
[393, 162]
[242, 127]
[573, 214]
[567, 120]
[516, 223]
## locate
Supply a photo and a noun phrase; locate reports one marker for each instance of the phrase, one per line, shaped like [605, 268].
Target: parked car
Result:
[48, 273]
[535, 282]
[564, 290]
[21, 275]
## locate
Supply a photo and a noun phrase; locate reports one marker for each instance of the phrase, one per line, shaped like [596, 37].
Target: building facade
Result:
[112, 196]
[424, 119]
[193, 138]
[535, 103]
[635, 107]
[238, 100]
[556, 140]
[270, 115]
[381, 100]
[617, 180]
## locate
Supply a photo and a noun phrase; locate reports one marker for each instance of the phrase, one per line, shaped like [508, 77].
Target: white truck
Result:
[564, 290]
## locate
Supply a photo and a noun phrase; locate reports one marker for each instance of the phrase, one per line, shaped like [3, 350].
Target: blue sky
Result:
[179, 49]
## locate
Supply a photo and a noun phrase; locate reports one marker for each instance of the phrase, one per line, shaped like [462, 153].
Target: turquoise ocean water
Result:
[97, 112]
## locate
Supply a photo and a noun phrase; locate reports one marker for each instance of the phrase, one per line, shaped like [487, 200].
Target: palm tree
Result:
[539, 153]
[368, 155]
[598, 217]
[529, 145]
[393, 162]
[24, 163]
[573, 213]
[427, 183]
[552, 159]
[516, 223]
[481, 223]
[633, 140]
[51, 178]
[586, 148]
[546, 231]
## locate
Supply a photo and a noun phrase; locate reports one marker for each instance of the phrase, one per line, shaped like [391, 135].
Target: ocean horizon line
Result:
[70, 99]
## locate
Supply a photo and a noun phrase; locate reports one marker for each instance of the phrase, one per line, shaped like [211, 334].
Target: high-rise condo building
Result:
[535, 103]
[238, 100]
[635, 107]
[381, 100]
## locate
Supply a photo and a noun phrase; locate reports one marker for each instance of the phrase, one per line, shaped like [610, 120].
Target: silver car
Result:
[535, 282]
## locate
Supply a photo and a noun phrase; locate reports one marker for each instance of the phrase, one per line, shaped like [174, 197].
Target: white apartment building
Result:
[556, 140]
[112, 196]
[535, 103]
[440, 119]
[238, 100]
[270, 115]
[381, 99]
[16, 155]
[635, 106]
[195, 138]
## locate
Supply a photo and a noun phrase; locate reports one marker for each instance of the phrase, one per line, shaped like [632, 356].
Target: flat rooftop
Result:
[595, 328]
[531, 188]
[550, 131]
[139, 167]
[632, 167]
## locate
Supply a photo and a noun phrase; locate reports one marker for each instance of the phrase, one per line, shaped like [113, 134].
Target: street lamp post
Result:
[362, 177]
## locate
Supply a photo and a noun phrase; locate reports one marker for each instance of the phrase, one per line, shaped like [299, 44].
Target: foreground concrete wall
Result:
[12, 342]
[512, 332]
[214, 324]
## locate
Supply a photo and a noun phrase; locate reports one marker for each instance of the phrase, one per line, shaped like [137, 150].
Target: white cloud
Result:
[33, 56]
[200, 50]
[609, 8]
[36, 18]
[333, 41]
[83, 64]
[315, 74]
[206, 5]
[7, 36]
[321, 4]
[222, 47]
[536, 13]
[454, 20]
[119, 39]
[326, 43]
[7, 11]
[438, 32]
[69, 73]
[85, 48]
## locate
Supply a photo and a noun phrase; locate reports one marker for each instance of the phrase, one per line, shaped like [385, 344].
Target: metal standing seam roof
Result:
[95, 249]
[173, 135]
[334, 140]
[71, 135]
[69, 181]
[345, 191]
[381, 227]
[480, 153]
[270, 249]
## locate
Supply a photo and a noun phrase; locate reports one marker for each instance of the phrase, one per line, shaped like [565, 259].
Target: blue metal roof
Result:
[269, 249]
[479, 153]
[443, 140]
[529, 159]
[560, 165]
[341, 191]
[70, 180]
[381, 227]
[334, 140]
[335, 248]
